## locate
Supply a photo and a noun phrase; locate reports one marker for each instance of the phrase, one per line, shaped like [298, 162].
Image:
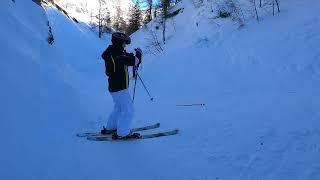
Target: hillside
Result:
[259, 85]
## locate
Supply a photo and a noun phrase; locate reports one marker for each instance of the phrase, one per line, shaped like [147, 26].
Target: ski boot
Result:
[105, 131]
[129, 136]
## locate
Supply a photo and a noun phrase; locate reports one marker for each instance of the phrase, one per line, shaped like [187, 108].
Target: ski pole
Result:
[151, 98]
[135, 83]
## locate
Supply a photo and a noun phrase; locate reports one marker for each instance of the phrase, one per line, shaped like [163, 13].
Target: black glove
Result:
[138, 54]
[130, 54]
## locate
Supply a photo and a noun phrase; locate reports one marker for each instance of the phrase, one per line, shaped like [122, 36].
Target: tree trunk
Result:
[99, 20]
[260, 3]
[165, 6]
[272, 7]
[150, 12]
[164, 31]
[255, 8]
[278, 5]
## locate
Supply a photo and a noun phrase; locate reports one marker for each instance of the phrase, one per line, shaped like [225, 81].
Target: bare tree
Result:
[255, 8]
[165, 6]
[97, 19]
[269, 3]
[156, 9]
[100, 18]
[277, 2]
[119, 23]
[150, 9]
[154, 46]
[50, 38]
[260, 3]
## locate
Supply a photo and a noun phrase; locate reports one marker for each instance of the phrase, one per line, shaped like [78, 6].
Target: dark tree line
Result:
[135, 20]
[103, 22]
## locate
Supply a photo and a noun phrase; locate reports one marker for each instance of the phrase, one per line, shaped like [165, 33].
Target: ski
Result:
[143, 128]
[145, 136]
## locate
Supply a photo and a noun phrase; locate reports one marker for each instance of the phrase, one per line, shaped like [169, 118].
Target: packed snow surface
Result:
[260, 86]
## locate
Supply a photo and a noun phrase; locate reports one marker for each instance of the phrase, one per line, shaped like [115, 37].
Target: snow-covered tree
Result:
[119, 22]
[135, 20]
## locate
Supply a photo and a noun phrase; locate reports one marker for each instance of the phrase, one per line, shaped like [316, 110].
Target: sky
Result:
[144, 5]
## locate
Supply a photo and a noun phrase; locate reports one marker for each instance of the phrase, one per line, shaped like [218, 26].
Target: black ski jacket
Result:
[117, 61]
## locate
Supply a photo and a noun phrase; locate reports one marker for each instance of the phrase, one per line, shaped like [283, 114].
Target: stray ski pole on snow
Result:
[190, 104]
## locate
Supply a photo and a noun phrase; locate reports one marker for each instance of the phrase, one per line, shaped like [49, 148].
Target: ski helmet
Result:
[120, 38]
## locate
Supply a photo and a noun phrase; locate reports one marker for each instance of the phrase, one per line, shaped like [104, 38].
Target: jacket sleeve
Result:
[105, 55]
[126, 59]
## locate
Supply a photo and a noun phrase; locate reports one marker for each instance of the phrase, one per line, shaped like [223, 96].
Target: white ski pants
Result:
[122, 114]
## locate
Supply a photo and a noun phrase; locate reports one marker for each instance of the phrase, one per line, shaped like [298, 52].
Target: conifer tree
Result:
[135, 19]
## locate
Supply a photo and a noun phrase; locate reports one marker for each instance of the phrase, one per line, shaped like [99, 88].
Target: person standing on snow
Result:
[117, 61]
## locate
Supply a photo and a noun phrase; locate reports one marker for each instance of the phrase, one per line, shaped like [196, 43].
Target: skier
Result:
[117, 61]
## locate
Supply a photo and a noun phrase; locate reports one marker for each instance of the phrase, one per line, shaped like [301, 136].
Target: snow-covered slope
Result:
[44, 90]
[259, 84]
